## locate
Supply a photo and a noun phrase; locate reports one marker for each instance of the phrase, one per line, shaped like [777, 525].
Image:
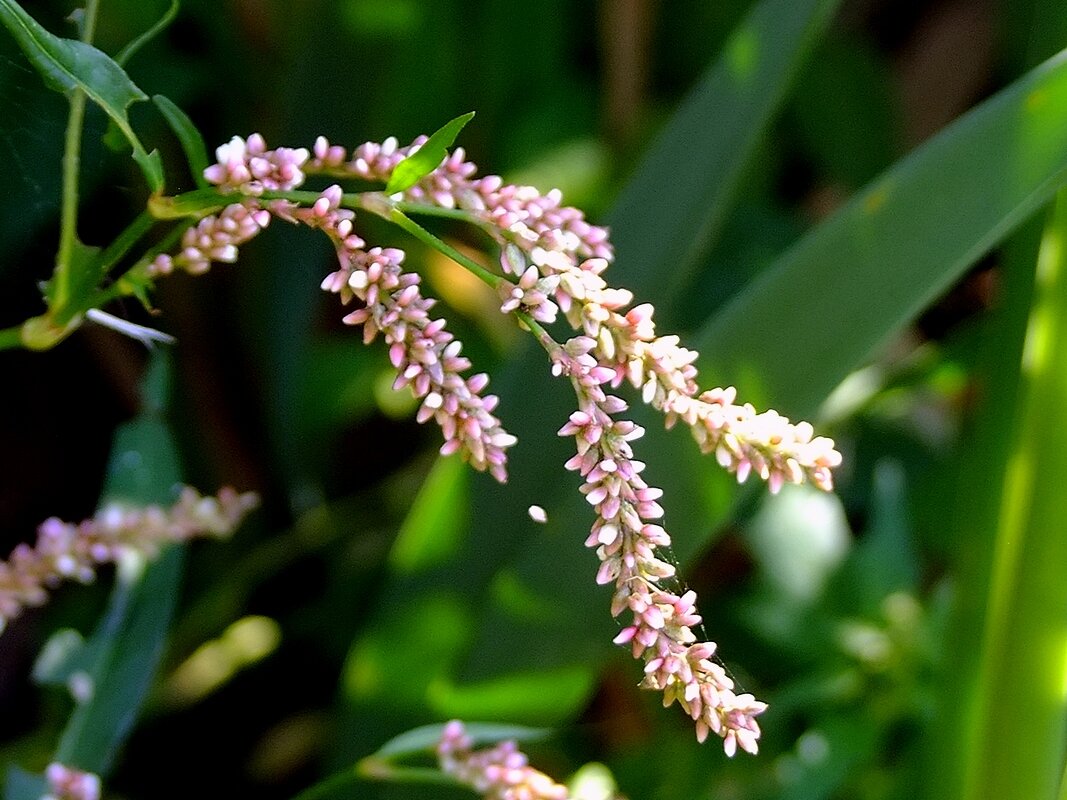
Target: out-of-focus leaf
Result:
[432, 529]
[129, 640]
[885, 255]
[22, 785]
[63, 656]
[68, 65]
[843, 108]
[826, 757]
[670, 211]
[428, 157]
[884, 560]
[188, 135]
[425, 738]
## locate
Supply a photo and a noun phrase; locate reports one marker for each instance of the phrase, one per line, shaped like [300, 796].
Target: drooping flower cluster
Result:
[497, 773]
[557, 259]
[71, 551]
[626, 538]
[67, 783]
[426, 356]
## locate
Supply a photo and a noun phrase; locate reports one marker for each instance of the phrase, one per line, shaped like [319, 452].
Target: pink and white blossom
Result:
[553, 263]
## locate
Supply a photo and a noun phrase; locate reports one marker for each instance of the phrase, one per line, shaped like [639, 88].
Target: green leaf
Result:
[188, 135]
[856, 279]
[1027, 600]
[68, 65]
[671, 210]
[428, 157]
[433, 529]
[84, 271]
[425, 738]
[129, 639]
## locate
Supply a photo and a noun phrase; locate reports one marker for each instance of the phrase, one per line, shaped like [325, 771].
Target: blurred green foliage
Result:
[793, 220]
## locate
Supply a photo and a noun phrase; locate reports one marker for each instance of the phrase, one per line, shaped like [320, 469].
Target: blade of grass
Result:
[129, 640]
[856, 279]
[1024, 660]
[669, 213]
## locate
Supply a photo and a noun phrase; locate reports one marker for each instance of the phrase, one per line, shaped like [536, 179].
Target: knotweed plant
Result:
[549, 268]
[550, 276]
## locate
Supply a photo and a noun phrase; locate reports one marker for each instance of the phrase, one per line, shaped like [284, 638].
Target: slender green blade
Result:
[670, 211]
[1023, 658]
[425, 738]
[188, 136]
[857, 278]
[427, 158]
[129, 640]
[68, 65]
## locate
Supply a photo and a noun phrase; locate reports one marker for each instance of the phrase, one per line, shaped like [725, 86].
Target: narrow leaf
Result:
[1023, 647]
[671, 210]
[129, 640]
[68, 65]
[428, 157]
[188, 136]
[424, 739]
[888, 253]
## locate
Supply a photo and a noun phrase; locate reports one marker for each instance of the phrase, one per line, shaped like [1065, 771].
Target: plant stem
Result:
[68, 224]
[398, 217]
[125, 241]
[11, 338]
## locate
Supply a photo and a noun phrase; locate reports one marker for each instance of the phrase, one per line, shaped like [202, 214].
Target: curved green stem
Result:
[68, 221]
[125, 241]
[11, 338]
[402, 220]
